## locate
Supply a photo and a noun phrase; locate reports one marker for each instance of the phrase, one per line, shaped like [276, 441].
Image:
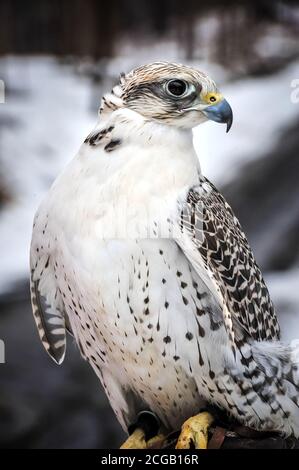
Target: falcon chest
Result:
[127, 292]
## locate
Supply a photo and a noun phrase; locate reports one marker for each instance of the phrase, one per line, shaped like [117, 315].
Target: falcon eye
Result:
[176, 88]
[213, 99]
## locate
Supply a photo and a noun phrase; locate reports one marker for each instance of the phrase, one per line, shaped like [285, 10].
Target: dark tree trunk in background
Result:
[90, 27]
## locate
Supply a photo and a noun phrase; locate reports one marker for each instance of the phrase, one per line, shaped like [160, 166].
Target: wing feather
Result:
[47, 306]
[213, 240]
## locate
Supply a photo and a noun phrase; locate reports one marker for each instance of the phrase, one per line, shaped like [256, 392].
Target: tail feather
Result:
[278, 383]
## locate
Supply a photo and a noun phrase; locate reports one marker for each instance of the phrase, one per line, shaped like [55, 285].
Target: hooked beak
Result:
[220, 112]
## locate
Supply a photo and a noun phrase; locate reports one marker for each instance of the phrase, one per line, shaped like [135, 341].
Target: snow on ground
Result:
[48, 113]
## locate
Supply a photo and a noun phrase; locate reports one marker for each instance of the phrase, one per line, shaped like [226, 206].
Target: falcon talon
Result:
[195, 432]
[144, 432]
[137, 440]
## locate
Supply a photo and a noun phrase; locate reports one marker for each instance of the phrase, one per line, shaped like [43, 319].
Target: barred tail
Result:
[276, 380]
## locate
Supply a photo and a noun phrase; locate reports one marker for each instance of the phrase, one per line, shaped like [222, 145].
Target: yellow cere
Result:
[212, 98]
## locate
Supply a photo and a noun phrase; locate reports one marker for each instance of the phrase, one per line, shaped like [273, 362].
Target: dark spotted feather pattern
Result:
[217, 236]
[50, 323]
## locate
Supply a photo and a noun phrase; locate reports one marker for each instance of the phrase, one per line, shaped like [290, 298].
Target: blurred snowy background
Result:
[56, 59]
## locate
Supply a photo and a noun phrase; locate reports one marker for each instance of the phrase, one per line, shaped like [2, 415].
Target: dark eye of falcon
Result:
[176, 88]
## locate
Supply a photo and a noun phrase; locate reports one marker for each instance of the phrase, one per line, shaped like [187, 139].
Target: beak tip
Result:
[229, 121]
[228, 126]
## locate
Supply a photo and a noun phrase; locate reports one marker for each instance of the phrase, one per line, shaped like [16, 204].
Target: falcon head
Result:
[174, 94]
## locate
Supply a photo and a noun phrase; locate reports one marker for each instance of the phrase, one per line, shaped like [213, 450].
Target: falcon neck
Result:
[139, 156]
[130, 127]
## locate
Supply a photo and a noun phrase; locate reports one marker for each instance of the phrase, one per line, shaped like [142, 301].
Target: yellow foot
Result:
[156, 442]
[137, 441]
[195, 431]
